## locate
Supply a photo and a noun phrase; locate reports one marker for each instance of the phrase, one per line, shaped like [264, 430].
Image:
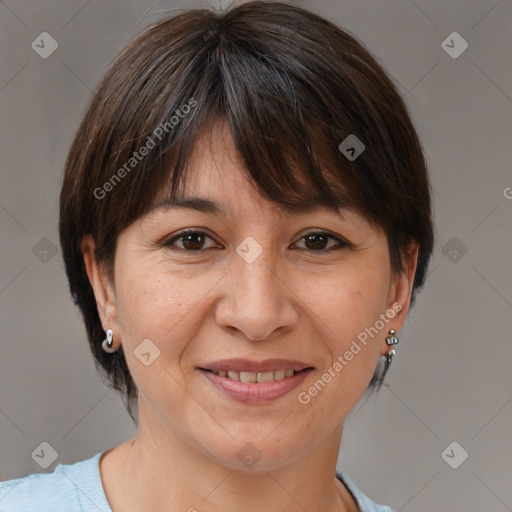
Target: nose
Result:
[257, 300]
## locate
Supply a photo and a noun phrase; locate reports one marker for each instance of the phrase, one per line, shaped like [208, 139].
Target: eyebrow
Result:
[206, 205]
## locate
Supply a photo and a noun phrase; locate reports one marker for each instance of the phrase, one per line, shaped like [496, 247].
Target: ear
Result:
[103, 288]
[400, 291]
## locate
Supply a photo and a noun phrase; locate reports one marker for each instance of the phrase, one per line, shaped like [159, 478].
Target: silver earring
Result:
[108, 343]
[391, 339]
[390, 354]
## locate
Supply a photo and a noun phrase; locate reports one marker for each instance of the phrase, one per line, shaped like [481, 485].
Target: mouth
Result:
[255, 383]
[256, 377]
[241, 365]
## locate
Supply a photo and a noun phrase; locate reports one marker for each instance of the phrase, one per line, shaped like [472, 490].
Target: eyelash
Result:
[183, 234]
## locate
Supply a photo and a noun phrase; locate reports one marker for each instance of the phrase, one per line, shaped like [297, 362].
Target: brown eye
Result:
[190, 241]
[317, 241]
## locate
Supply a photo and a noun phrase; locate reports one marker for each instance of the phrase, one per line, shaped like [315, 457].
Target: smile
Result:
[255, 377]
[255, 388]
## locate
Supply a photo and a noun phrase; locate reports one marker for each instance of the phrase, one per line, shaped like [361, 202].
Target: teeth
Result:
[255, 377]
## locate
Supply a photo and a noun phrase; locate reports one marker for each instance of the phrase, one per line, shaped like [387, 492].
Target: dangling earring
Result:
[108, 343]
[391, 339]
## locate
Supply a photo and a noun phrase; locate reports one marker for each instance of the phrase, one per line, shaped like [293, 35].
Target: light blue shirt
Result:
[78, 487]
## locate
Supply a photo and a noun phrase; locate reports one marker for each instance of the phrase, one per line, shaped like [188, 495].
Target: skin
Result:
[294, 301]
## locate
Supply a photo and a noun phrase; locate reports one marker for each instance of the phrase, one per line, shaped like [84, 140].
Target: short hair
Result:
[291, 86]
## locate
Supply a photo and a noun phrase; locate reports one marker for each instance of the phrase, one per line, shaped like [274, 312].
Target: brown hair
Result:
[291, 86]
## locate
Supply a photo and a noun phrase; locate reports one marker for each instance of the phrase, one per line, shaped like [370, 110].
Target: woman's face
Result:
[251, 286]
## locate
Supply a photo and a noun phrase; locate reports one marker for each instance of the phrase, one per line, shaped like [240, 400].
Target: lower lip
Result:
[257, 392]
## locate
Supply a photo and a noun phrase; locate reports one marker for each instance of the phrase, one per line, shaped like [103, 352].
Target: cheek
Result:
[349, 308]
[347, 301]
[160, 305]
[150, 303]
[153, 307]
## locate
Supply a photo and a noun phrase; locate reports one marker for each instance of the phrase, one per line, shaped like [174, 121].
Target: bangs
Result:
[296, 181]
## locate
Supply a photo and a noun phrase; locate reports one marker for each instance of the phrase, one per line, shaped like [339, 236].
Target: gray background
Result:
[451, 379]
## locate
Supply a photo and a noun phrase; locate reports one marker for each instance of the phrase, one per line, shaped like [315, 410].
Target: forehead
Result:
[217, 182]
[223, 208]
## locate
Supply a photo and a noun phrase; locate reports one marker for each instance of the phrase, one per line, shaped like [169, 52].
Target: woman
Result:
[245, 221]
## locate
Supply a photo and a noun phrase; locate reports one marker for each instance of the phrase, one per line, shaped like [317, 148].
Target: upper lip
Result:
[246, 365]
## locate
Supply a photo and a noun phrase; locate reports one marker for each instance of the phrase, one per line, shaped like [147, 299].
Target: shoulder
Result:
[70, 487]
[365, 504]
